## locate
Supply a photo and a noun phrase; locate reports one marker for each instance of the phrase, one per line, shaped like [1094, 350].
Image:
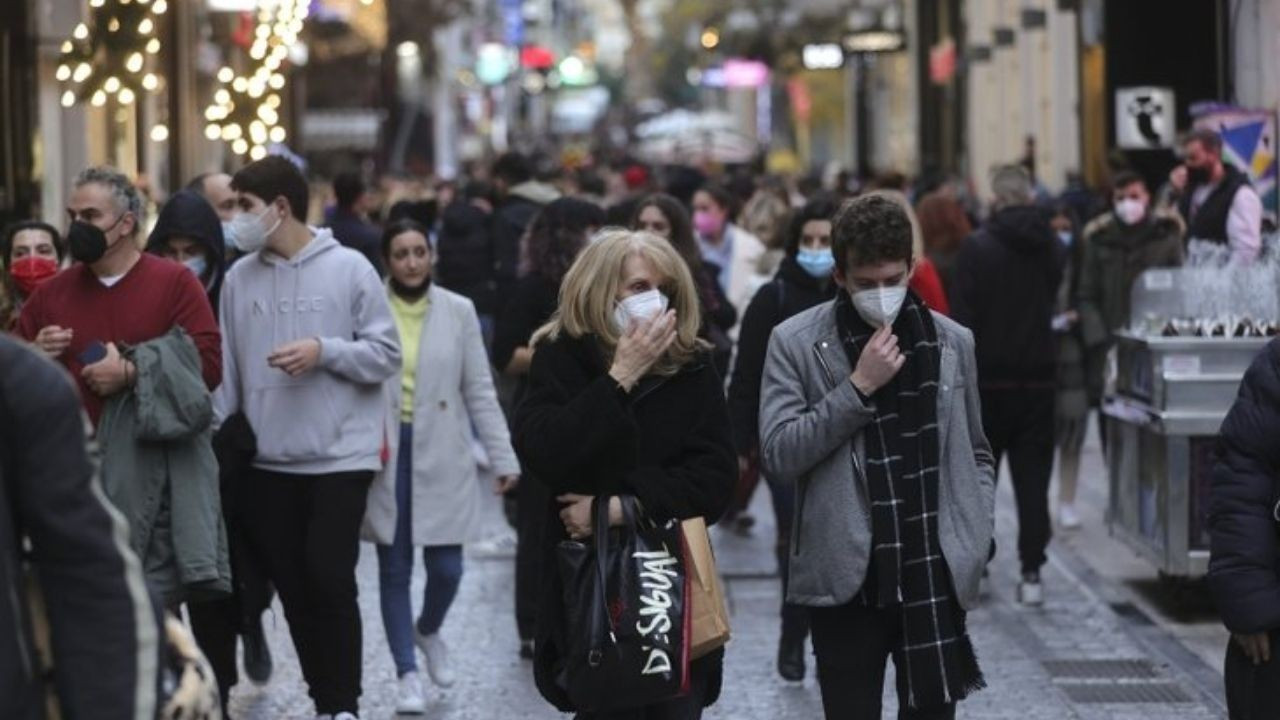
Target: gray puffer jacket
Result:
[811, 422]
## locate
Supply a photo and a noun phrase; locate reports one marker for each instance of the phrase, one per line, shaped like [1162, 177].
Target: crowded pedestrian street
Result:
[1112, 643]
[639, 359]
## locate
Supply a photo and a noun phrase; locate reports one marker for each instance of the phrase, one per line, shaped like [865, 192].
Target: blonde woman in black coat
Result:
[623, 400]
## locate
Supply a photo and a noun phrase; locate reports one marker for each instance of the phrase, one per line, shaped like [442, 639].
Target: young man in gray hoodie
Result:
[308, 341]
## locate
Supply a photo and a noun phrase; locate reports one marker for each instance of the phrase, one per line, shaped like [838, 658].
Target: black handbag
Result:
[626, 601]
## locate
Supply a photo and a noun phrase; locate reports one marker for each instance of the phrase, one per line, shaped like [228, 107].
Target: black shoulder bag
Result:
[626, 600]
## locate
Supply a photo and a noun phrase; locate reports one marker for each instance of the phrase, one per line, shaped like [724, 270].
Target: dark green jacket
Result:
[1115, 256]
[159, 470]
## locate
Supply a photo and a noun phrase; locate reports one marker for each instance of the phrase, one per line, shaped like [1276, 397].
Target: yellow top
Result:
[410, 317]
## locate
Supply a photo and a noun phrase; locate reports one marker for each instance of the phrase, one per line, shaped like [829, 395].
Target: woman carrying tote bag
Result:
[443, 391]
[623, 400]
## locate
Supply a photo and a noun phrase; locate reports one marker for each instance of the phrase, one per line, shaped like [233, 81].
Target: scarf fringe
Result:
[970, 679]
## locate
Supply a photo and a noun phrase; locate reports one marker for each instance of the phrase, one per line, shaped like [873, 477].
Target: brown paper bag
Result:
[710, 627]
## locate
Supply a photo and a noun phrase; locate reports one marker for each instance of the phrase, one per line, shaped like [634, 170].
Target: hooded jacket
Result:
[510, 221]
[1005, 291]
[187, 215]
[464, 256]
[330, 419]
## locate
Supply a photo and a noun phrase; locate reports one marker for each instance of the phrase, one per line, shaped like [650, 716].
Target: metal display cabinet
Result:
[1166, 401]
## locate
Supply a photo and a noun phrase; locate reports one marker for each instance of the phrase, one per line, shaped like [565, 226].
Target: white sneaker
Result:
[409, 697]
[1031, 590]
[437, 654]
[1068, 518]
[500, 546]
[345, 716]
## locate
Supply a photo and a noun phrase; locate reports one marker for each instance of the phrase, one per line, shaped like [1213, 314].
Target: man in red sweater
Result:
[114, 295]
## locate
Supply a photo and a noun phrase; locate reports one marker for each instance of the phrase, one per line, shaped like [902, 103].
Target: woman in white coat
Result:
[444, 390]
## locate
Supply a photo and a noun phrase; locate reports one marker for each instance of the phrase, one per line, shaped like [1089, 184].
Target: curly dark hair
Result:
[868, 230]
[556, 236]
[677, 216]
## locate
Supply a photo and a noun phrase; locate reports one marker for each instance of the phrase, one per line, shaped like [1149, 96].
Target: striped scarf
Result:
[908, 571]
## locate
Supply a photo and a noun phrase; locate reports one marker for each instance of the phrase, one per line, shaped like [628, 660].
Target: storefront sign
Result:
[1145, 118]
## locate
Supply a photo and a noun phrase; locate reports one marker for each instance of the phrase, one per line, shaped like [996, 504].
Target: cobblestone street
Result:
[1096, 650]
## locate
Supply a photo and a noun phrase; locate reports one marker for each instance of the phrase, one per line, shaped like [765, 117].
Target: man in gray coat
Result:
[869, 403]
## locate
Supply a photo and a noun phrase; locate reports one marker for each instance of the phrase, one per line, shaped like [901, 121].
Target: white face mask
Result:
[638, 308]
[1131, 211]
[248, 232]
[879, 306]
[229, 233]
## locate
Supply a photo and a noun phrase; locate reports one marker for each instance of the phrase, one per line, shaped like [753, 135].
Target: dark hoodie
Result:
[465, 257]
[187, 215]
[1006, 284]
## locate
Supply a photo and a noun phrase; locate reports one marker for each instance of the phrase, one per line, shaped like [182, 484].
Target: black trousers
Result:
[852, 643]
[532, 498]
[795, 618]
[1019, 423]
[216, 624]
[306, 531]
[1252, 690]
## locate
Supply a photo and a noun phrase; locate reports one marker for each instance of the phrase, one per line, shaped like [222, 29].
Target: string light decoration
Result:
[246, 108]
[112, 54]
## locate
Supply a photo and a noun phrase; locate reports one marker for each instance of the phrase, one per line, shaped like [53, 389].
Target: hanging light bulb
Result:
[68, 99]
[99, 99]
[277, 134]
[226, 74]
[112, 84]
[159, 133]
[159, 7]
[134, 63]
[213, 131]
[146, 26]
[125, 96]
[150, 81]
[64, 73]
[153, 46]
[240, 146]
[81, 32]
[82, 72]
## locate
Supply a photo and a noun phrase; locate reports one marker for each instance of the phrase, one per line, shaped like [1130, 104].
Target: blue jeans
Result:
[395, 570]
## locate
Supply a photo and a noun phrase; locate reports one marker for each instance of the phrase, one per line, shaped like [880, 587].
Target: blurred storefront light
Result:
[875, 41]
[493, 63]
[822, 56]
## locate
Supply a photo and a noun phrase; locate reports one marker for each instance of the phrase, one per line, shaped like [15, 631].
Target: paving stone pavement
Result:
[1013, 643]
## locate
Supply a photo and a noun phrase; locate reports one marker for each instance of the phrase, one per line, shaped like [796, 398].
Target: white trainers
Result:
[499, 546]
[409, 697]
[345, 716]
[437, 654]
[1068, 518]
[1030, 590]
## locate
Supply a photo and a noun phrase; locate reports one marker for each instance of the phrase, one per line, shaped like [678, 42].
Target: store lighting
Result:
[710, 38]
[244, 109]
[159, 133]
[106, 56]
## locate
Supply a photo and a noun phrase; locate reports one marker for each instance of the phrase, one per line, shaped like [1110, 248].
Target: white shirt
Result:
[1244, 221]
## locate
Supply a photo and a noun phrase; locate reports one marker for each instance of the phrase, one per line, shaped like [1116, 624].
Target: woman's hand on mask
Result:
[880, 361]
[641, 346]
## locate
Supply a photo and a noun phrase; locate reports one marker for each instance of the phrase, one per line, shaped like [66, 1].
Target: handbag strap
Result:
[600, 615]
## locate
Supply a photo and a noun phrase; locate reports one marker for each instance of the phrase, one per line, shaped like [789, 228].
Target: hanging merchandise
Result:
[246, 107]
[113, 53]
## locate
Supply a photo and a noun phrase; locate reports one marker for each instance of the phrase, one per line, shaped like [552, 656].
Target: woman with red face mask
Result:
[31, 252]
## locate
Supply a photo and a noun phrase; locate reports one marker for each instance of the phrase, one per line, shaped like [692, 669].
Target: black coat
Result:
[667, 442]
[358, 234]
[102, 619]
[792, 291]
[1006, 286]
[464, 256]
[1244, 560]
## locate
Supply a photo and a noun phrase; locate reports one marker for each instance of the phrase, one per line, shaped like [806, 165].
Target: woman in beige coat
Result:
[444, 391]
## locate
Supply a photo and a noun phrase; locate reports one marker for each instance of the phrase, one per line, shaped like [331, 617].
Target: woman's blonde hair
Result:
[590, 288]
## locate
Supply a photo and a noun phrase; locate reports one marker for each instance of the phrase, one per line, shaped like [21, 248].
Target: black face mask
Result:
[1197, 175]
[410, 293]
[88, 242]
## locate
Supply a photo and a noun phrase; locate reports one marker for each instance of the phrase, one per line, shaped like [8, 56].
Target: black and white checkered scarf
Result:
[902, 453]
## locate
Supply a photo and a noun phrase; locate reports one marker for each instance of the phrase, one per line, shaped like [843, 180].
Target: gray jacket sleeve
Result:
[373, 355]
[982, 455]
[795, 435]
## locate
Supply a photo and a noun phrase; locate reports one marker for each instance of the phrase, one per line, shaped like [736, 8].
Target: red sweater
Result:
[926, 283]
[153, 297]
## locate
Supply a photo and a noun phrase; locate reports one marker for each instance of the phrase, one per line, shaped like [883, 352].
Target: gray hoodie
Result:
[330, 419]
